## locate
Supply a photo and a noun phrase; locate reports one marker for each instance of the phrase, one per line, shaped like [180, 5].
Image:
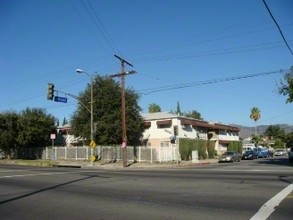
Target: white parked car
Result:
[244, 149]
[280, 152]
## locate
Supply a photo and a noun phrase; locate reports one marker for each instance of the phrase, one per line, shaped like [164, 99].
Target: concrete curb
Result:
[103, 165]
[119, 165]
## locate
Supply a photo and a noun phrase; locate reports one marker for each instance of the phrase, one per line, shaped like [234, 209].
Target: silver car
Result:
[280, 152]
[230, 156]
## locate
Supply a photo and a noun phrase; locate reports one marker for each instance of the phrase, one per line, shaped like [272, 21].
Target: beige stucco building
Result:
[162, 127]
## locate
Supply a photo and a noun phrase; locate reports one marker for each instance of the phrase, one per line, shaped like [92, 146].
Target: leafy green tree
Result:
[255, 116]
[8, 132]
[278, 143]
[256, 139]
[286, 86]
[274, 132]
[193, 114]
[289, 139]
[107, 113]
[30, 128]
[153, 108]
[34, 128]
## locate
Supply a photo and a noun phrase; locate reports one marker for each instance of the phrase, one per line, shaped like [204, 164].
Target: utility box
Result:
[194, 156]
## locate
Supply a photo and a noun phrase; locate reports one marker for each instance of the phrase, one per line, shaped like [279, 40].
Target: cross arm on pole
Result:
[123, 61]
[123, 74]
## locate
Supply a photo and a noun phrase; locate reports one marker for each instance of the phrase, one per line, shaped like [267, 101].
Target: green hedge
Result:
[235, 146]
[205, 148]
[212, 153]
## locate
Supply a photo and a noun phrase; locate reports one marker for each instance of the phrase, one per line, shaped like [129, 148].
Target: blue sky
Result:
[170, 43]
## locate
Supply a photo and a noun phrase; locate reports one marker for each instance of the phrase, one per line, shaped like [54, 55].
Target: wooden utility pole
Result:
[122, 75]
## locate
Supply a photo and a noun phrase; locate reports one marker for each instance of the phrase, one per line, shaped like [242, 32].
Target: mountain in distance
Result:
[246, 131]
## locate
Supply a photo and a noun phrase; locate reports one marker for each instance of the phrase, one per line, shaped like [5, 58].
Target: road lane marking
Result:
[269, 207]
[35, 174]
[6, 171]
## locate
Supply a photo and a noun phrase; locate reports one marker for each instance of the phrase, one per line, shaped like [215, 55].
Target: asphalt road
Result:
[218, 191]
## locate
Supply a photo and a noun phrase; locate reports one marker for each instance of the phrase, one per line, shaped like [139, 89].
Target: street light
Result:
[92, 115]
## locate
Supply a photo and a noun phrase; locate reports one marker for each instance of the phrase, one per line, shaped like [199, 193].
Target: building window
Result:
[147, 124]
[175, 130]
[163, 126]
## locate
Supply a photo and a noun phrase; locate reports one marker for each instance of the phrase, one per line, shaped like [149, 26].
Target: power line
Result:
[277, 25]
[100, 25]
[83, 20]
[216, 52]
[212, 81]
[185, 43]
[278, 116]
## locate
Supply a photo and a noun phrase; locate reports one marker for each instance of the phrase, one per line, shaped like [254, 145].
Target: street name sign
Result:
[60, 99]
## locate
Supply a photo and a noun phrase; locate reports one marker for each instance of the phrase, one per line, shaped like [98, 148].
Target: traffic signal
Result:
[50, 95]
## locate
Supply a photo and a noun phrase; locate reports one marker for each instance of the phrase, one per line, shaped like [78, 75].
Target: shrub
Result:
[186, 146]
[235, 146]
[212, 153]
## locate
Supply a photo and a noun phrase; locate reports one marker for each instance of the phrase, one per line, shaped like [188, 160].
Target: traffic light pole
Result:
[91, 112]
[50, 96]
[92, 119]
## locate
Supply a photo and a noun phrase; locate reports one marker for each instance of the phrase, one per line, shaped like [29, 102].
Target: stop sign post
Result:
[53, 137]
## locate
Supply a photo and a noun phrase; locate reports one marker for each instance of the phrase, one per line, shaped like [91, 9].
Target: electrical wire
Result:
[84, 22]
[268, 119]
[97, 21]
[185, 43]
[212, 81]
[277, 26]
[215, 52]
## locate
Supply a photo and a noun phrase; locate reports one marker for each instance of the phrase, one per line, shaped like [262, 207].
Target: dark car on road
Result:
[290, 155]
[230, 156]
[249, 155]
[258, 153]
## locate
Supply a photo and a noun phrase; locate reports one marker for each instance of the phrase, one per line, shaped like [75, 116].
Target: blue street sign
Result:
[60, 99]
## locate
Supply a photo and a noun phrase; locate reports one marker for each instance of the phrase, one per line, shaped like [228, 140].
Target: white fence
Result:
[107, 153]
[66, 153]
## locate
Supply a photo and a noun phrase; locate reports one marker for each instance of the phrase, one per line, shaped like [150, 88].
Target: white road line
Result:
[34, 174]
[269, 207]
[6, 171]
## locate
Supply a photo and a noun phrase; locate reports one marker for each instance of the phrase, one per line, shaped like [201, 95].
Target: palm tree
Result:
[153, 108]
[255, 115]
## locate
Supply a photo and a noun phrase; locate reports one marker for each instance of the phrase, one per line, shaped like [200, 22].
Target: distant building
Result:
[162, 127]
[66, 138]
